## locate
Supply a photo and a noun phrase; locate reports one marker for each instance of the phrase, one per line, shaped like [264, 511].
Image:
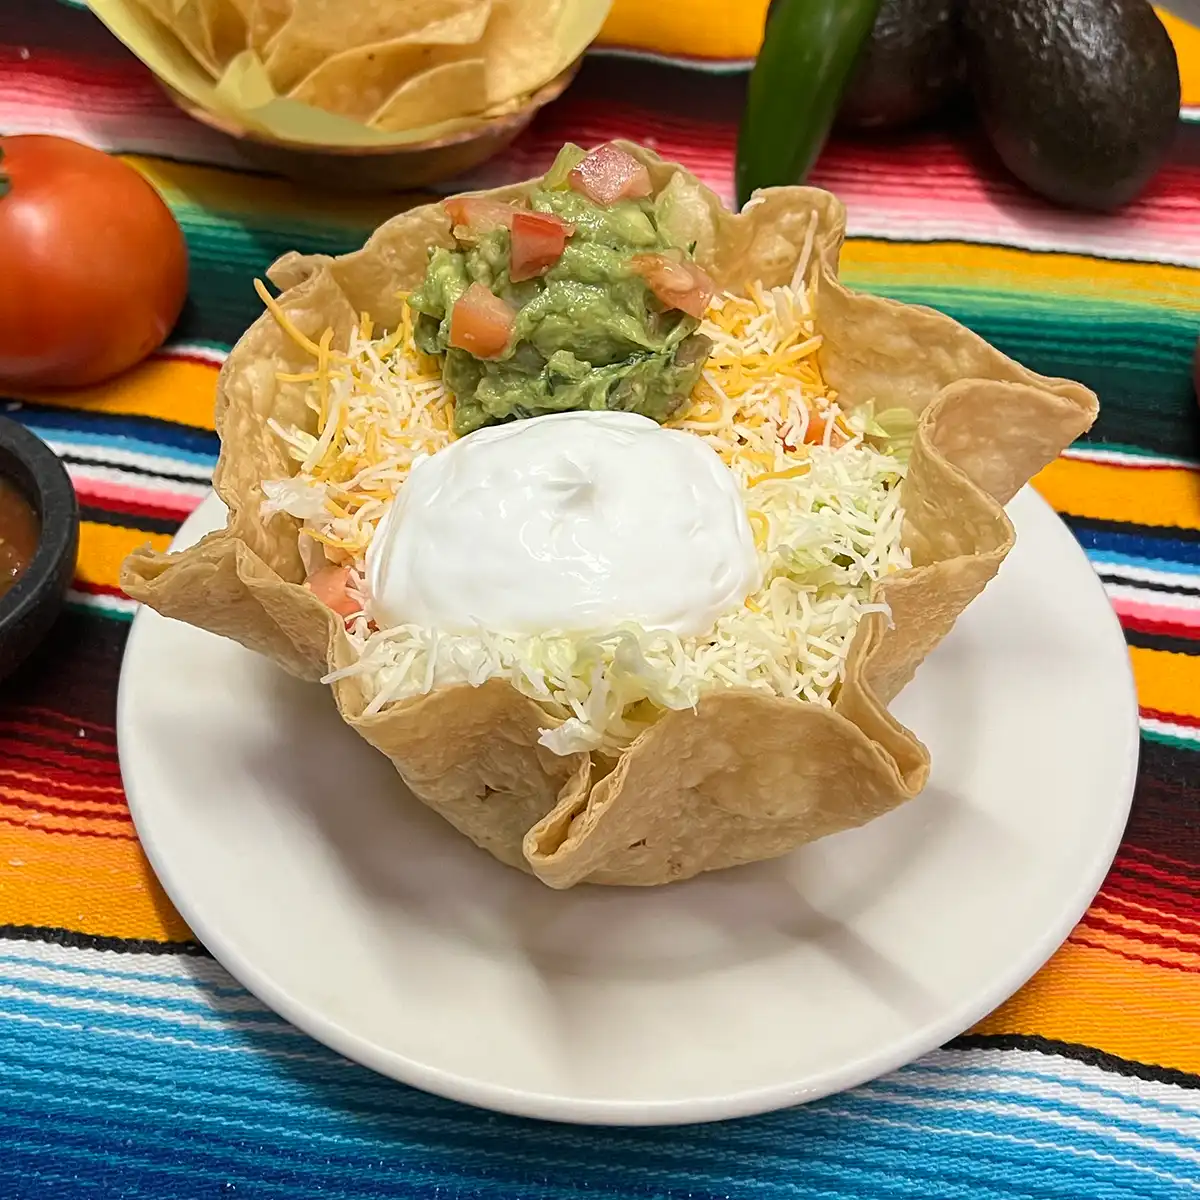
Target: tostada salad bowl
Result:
[611, 517]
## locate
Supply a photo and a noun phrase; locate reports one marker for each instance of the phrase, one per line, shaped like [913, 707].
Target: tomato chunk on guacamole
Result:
[589, 325]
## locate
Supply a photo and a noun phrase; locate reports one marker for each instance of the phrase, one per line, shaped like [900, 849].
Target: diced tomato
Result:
[814, 435]
[480, 212]
[538, 240]
[608, 174]
[331, 585]
[481, 323]
[680, 285]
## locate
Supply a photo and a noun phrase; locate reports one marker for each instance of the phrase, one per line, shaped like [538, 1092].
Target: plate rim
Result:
[548, 1106]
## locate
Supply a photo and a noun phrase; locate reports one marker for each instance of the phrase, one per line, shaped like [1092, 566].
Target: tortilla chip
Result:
[454, 89]
[223, 23]
[522, 50]
[358, 82]
[264, 21]
[318, 29]
[746, 776]
[183, 19]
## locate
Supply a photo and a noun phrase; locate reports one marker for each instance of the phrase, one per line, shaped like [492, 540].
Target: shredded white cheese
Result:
[379, 407]
[829, 535]
[823, 505]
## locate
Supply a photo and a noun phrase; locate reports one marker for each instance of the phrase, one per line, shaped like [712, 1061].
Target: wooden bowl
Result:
[381, 168]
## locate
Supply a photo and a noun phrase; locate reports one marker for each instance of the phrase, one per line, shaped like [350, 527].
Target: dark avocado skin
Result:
[911, 64]
[1080, 98]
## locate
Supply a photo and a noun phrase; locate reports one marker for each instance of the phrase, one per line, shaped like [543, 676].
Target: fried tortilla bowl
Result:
[745, 776]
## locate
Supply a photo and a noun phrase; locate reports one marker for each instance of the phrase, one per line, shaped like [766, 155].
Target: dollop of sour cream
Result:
[574, 522]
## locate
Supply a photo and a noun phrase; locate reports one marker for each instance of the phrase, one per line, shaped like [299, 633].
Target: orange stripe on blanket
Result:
[1157, 917]
[1187, 46]
[1007, 271]
[1167, 683]
[85, 884]
[48, 822]
[692, 28]
[102, 548]
[48, 785]
[1164, 496]
[732, 29]
[1140, 942]
[170, 389]
[45, 801]
[1094, 997]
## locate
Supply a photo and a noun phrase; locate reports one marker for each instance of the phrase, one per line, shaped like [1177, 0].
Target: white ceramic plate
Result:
[301, 862]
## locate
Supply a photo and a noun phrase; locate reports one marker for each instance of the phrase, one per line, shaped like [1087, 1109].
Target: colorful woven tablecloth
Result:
[131, 1065]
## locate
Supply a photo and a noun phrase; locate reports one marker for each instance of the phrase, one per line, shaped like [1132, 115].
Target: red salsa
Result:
[18, 535]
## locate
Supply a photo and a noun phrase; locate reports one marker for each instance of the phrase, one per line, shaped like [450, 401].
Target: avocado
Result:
[580, 328]
[1080, 98]
[912, 63]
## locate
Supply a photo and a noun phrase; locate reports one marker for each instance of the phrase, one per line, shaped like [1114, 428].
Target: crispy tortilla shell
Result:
[745, 776]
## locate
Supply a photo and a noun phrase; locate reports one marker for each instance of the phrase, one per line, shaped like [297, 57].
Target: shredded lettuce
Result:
[891, 431]
[827, 538]
[298, 497]
[567, 159]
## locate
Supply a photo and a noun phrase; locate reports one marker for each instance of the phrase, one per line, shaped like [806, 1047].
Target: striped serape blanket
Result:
[132, 1065]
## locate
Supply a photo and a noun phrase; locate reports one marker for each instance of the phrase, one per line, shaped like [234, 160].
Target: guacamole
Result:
[588, 333]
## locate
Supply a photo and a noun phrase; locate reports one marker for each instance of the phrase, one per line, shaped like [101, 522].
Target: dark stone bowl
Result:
[29, 608]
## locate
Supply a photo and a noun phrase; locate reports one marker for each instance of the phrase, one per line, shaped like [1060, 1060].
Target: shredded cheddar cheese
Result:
[373, 417]
[823, 507]
[762, 402]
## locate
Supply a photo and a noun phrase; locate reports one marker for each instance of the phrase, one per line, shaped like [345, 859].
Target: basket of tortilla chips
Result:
[611, 517]
[401, 94]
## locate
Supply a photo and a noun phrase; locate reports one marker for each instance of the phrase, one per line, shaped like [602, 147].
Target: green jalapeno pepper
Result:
[809, 51]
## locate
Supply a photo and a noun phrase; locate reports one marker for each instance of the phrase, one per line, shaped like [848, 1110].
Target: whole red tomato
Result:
[93, 267]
